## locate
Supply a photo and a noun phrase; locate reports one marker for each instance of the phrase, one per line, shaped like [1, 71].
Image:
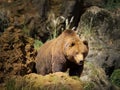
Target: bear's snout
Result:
[81, 62]
[79, 59]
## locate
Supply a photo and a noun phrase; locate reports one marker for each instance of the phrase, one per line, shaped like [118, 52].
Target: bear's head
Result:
[74, 49]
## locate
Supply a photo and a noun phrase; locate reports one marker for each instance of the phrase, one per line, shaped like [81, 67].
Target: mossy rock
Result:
[55, 81]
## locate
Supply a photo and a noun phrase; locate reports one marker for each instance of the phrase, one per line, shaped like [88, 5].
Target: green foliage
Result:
[115, 77]
[10, 85]
[68, 23]
[112, 4]
[37, 44]
[53, 25]
[89, 86]
[88, 30]
[57, 24]
[26, 31]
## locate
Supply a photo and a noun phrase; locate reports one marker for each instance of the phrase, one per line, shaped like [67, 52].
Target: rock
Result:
[94, 77]
[33, 19]
[75, 8]
[101, 29]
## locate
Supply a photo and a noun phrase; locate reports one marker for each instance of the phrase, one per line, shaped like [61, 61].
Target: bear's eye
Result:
[72, 44]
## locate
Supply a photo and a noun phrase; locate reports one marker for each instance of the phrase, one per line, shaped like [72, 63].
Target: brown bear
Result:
[67, 51]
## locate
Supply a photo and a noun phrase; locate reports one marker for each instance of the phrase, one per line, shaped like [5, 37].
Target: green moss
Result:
[112, 4]
[89, 86]
[10, 85]
[37, 44]
[92, 67]
[115, 77]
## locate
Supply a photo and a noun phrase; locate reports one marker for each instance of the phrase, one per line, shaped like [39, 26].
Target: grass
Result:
[37, 44]
[10, 85]
[87, 30]
[68, 23]
[89, 86]
[55, 25]
[93, 77]
[26, 31]
[112, 4]
[115, 77]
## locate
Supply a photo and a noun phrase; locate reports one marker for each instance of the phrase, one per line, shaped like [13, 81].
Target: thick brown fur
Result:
[67, 51]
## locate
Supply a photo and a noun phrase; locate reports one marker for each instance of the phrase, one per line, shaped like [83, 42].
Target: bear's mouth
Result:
[81, 63]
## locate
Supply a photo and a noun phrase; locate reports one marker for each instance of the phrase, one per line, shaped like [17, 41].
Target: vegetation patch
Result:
[112, 4]
[89, 86]
[115, 77]
[37, 44]
[55, 81]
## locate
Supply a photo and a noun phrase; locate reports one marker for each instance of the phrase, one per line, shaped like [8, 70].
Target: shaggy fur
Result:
[66, 51]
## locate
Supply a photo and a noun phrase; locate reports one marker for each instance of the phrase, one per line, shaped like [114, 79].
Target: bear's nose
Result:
[81, 62]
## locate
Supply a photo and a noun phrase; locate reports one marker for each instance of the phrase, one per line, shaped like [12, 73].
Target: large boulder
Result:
[94, 78]
[101, 28]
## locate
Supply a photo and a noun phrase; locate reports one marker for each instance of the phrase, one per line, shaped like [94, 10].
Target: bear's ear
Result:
[85, 42]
